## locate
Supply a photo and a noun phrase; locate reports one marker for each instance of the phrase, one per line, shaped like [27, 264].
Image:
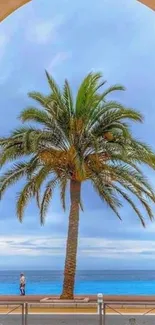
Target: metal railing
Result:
[114, 304]
[27, 311]
[14, 307]
[71, 308]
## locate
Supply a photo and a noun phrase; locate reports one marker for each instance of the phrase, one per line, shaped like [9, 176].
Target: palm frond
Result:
[111, 90]
[46, 198]
[106, 194]
[35, 115]
[81, 205]
[86, 96]
[11, 176]
[129, 200]
[23, 198]
[141, 197]
[68, 98]
[11, 154]
[38, 97]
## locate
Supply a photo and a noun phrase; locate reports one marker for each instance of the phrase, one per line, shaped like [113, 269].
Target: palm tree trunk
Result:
[72, 242]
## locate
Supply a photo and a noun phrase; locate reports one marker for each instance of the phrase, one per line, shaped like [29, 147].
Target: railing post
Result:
[26, 314]
[100, 307]
[104, 309]
[23, 312]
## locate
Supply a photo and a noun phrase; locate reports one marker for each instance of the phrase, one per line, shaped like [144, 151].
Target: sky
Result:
[70, 39]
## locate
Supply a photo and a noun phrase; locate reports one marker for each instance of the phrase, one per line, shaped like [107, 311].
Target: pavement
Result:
[78, 320]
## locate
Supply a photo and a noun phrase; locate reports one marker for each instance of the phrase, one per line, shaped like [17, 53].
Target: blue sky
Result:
[70, 39]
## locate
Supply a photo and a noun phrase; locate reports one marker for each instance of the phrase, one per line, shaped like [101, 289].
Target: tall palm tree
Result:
[86, 139]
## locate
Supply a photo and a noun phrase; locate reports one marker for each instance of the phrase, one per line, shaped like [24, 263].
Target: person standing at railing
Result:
[22, 284]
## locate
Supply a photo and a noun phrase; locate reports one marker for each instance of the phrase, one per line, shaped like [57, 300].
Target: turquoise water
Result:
[87, 282]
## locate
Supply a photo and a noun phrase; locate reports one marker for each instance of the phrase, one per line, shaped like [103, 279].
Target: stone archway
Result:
[8, 6]
[148, 3]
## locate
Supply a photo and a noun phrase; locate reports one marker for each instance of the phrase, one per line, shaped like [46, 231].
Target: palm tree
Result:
[73, 141]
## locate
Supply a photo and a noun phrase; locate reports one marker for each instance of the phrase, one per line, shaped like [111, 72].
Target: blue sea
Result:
[87, 282]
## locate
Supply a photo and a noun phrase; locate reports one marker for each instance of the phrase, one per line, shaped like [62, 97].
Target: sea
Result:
[87, 282]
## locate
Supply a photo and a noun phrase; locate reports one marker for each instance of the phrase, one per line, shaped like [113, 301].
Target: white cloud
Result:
[88, 247]
[5, 75]
[42, 32]
[99, 247]
[58, 59]
[3, 44]
[54, 219]
[3, 40]
[5, 70]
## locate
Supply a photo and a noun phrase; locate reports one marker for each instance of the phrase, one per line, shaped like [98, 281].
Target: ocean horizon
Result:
[133, 282]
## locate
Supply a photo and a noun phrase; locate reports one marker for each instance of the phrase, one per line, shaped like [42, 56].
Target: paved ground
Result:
[77, 320]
